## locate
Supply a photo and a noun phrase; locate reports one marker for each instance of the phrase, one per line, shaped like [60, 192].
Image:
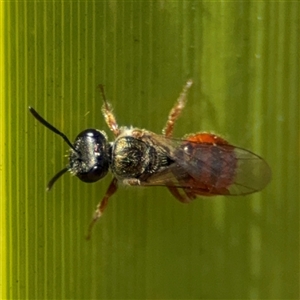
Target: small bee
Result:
[200, 164]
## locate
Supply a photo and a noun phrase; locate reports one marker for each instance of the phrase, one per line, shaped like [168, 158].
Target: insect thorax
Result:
[137, 158]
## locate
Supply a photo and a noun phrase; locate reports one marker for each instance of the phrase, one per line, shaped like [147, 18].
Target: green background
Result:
[244, 59]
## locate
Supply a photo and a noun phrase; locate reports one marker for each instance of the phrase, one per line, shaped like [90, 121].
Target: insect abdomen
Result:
[211, 162]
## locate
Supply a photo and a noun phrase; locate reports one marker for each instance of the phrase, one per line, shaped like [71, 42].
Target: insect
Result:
[200, 164]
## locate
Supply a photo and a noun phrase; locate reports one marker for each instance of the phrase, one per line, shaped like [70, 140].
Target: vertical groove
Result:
[79, 109]
[57, 108]
[45, 140]
[36, 166]
[114, 85]
[104, 250]
[3, 192]
[71, 195]
[87, 103]
[8, 70]
[94, 281]
[279, 12]
[75, 97]
[63, 116]
[26, 153]
[256, 107]
[150, 88]
[293, 109]
[16, 153]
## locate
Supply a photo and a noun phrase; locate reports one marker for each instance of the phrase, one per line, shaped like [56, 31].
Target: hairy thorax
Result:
[134, 155]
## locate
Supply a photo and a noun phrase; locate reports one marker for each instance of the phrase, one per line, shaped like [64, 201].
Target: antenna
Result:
[51, 127]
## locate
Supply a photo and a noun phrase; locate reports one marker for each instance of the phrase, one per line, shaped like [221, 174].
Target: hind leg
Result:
[177, 109]
[168, 131]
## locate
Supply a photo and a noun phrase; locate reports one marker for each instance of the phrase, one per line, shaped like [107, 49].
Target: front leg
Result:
[108, 114]
[102, 205]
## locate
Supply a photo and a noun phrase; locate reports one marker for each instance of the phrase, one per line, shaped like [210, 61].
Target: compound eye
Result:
[96, 173]
[90, 162]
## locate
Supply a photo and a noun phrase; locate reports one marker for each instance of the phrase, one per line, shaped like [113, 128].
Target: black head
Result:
[89, 161]
[89, 155]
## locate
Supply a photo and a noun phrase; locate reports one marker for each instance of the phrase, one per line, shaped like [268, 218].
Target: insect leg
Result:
[177, 109]
[102, 205]
[182, 198]
[168, 131]
[108, 114]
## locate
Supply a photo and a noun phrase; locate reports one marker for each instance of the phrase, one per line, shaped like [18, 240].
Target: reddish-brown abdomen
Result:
[211, 162]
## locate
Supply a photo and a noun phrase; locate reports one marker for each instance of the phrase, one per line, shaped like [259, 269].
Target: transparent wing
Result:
[209, 169]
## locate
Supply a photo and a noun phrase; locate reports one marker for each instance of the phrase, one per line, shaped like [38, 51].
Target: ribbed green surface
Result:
[3, 239]
[244, 60]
